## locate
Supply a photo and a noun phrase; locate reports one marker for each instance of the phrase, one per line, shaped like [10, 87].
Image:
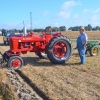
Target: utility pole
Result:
[31, 20]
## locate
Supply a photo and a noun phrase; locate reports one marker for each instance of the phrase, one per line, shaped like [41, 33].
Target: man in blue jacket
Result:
[81, 44]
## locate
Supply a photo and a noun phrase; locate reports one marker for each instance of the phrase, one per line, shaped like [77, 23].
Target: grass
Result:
[5, 90]
[92, 35]
[66, 82]
[6, 93]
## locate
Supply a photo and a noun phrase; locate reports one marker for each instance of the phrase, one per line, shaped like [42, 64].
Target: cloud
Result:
[36, 23]
[77, 16]
[97, 10]
[69, 4]
[86, 10]
[95, 24]
[11, 26]
[56, 24]
[66, 9]
[48, 20]
[45, 13]
[94, 18]
[63, 14]
[91, 10]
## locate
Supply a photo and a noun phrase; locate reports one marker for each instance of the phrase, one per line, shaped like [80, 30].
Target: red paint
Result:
[31, 43]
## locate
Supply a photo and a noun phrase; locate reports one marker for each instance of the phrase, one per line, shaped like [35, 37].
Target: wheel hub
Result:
[16, 63]
[95, 51]
[60, 50]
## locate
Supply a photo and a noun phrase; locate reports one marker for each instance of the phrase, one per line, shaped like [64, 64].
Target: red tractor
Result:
[57, 47]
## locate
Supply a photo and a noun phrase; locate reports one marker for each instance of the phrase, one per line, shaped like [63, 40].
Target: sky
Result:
[54, 13]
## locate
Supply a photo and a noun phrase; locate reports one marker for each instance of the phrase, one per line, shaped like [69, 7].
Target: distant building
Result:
[0, 32]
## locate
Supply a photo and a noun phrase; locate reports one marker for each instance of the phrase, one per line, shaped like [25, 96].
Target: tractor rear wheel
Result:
[59, 50]
[94, 51]
[15, 62]
[42, 55]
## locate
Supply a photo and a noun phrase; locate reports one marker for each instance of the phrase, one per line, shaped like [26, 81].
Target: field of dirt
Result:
[70, 81]
[94, 35]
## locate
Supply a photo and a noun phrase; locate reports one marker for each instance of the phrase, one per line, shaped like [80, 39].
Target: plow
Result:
[93, 47]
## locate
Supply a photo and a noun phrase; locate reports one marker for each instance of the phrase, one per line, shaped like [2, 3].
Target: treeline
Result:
[87, 28]
[61, 28]
[53, 29]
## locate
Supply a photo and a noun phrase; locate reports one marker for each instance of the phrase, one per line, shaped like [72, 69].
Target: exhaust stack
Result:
[24, 29]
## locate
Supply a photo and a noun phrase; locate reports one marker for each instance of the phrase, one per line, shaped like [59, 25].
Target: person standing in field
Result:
[81, 44]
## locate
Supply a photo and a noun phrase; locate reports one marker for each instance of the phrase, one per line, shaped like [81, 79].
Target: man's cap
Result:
[82, 28]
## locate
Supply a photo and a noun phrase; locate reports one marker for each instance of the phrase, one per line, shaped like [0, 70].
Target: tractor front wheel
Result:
[94, 51]
[15, 62]
[59, 50]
